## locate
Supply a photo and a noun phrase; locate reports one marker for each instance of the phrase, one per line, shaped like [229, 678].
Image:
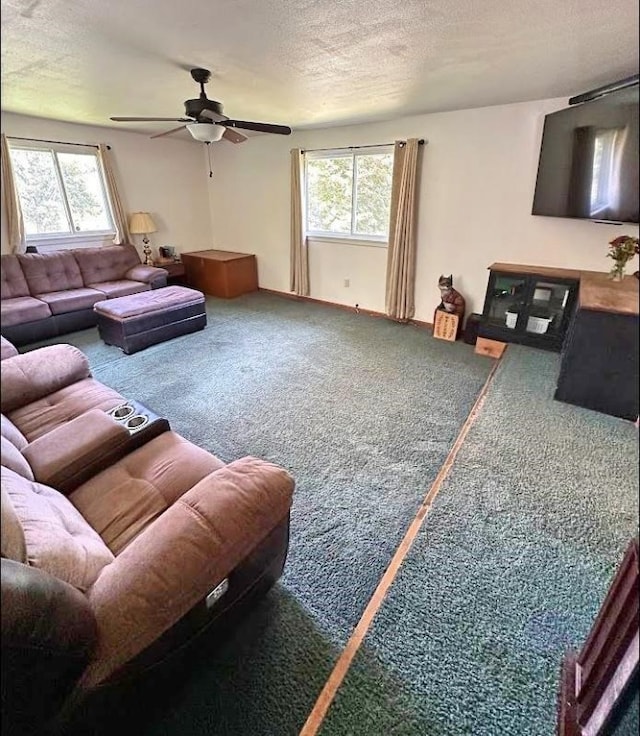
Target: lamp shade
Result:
[206, 132]
[141, 223]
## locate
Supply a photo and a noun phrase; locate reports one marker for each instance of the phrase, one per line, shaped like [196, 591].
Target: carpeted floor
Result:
[363, 412]
[509, 569]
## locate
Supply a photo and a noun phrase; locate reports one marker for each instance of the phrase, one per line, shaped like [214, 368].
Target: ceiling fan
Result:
[205, 120]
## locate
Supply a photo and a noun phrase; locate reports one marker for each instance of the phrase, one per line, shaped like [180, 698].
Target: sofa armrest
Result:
[8, 350]
[49, 633]
[31, 376]
[182, 556]
[146, 274]
[75, 451]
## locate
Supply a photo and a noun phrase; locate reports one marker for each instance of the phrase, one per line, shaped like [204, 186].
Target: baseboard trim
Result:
[346, 307]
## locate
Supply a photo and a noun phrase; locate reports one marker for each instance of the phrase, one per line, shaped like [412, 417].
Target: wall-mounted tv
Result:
[588, 164]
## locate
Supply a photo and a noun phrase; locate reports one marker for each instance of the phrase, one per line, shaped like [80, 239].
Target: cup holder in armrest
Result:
[136, 422]
[141, 423]
[122, 412]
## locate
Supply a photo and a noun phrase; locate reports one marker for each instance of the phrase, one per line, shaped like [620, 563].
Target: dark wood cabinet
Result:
[599, 368]
[529, 305]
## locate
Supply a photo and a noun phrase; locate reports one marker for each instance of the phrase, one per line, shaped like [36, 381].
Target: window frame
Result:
[323, 236]
[64, 240]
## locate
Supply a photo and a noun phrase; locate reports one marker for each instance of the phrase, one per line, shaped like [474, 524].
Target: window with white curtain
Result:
[605, 176]
[348, 194]
[62, 193]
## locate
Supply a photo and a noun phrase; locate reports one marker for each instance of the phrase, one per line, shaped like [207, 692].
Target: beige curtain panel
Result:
[13, 210]
[118, 212]
[401, 254]
[299, 250]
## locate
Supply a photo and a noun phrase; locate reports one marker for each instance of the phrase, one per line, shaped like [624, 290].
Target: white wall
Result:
[478, 178]
[166, 177]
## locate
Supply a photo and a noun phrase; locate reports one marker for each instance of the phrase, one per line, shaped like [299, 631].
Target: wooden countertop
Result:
[218, 255]
[600, 294]
[550, 273]
[597, 291]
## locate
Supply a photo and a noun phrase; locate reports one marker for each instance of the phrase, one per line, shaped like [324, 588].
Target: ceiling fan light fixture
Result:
[206, 132]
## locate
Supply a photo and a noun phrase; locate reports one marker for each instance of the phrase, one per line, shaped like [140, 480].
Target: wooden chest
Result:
[221, 273]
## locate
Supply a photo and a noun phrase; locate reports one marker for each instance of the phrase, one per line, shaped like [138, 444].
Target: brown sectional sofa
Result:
[48, 294]
[140, 552]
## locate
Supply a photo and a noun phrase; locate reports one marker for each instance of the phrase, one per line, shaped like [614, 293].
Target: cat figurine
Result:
[452, 301]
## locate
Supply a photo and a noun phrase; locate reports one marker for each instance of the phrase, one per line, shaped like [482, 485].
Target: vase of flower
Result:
[617, 272]
[621, 249]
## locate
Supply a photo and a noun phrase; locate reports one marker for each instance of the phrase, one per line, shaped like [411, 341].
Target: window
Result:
[348, 193]
[62, 192]
[605, 182]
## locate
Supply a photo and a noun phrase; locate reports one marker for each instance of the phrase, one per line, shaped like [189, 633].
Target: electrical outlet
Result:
[347, 282]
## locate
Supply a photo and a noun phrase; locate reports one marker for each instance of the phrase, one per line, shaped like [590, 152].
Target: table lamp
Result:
[140, 223]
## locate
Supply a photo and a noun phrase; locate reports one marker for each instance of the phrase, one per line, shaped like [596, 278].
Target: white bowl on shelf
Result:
[538, 325]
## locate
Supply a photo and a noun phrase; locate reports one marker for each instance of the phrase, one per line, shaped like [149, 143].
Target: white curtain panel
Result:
[118, 212]
[15, 221]
[401, 255]
[299, 249]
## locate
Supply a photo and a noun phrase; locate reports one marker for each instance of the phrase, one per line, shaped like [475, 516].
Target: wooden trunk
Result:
[221, 273]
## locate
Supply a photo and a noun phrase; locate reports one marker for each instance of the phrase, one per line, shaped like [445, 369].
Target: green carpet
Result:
[509, 569]
[363, 412]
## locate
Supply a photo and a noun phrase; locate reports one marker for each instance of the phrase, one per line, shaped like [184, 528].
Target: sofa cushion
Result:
[7, 349]
[58, 539]
[152, 302]
[12, 280]
[124, 499]
[46, 272]
[43, 415]
[21, 309]
[13, 546]
[73, 300]
[36, 374]
[121, 287]
[13, 459]
[109, 263]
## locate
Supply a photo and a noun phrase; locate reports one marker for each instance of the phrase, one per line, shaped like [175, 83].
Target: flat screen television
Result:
[588, 164]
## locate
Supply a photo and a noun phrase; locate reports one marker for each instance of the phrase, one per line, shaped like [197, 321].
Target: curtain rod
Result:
[421, 142]
[43, 140]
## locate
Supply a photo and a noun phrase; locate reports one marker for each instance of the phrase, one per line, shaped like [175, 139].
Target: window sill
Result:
[64, 242]
[341, 240]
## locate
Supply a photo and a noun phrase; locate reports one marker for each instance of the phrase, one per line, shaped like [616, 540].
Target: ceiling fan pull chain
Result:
[209, 156]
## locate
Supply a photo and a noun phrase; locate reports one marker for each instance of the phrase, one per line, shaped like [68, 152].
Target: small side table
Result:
[176, 272]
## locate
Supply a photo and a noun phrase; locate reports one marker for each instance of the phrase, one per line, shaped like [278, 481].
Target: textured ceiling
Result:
[306, 62]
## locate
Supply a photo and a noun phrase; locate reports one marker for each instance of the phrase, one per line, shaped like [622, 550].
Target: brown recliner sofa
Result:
[112, 557]
[49, 294]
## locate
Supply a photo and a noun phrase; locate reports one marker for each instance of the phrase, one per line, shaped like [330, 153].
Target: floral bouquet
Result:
[622, 249]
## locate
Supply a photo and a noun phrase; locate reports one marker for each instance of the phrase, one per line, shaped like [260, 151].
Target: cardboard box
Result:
[492, 348]
[445, 326]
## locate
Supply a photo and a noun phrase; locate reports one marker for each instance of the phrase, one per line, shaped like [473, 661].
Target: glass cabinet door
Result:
[547, 308]
[507, 299]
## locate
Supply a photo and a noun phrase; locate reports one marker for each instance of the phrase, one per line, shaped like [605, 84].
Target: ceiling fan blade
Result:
[259, 127]
[147, 120]
[215, 117]
[169, 132]
[234, 136]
